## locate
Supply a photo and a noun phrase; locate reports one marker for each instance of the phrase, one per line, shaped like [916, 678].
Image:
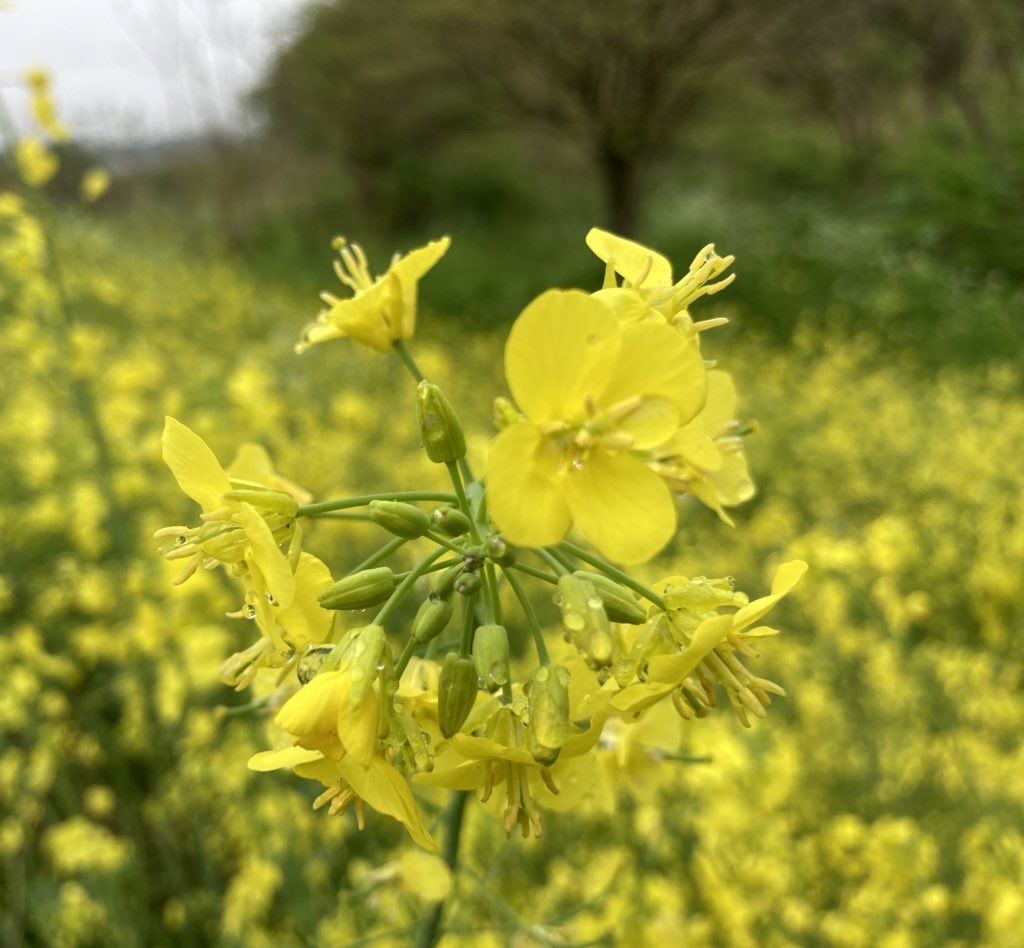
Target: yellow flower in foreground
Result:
[665, 673]
[338, 711]
[596, 396]
[378, 783]
[705, 458]
[242, 522]
[381, 310]
[647, 289]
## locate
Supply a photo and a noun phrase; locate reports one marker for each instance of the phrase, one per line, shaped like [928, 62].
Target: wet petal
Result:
[266, 554]
[286, 757]
[621, 506]
[387, 791]
[524, 486]
[787, 576]
[304, 620]
[313, 709]
[672, 669]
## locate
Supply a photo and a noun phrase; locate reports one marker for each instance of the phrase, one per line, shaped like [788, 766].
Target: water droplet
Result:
[481, 684]
[358, 647]
[557, 600]
[180, 540]
[574, 621]
[380, 666]
[577, 464]
[250, 612]
[499, 673]
[542, 674]
[594, 602]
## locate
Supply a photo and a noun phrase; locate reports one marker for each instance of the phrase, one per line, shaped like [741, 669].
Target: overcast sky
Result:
[141, 69]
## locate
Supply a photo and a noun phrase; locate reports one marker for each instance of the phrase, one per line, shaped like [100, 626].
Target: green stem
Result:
[442, 541]
[382, 554]
[345, 515]
[436, 568]
[403, 353]
[430, 933]
[531, 617]
[614, 573]
[535, 573]
[315, 510]
[405, 657]
[404, 586]
[553, 561]
[460, 493]
[567, 563]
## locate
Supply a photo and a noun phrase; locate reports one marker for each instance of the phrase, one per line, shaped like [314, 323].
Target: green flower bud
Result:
[620, 605]
[369, 587]
[467, 584]
[585, 620]
[500, 552]
[549, 712]
[444, 586]
[456, 692]
[490, 656]
[401, 519]
[440, 430]
[363, 653]
[432, 618]
[450, 521]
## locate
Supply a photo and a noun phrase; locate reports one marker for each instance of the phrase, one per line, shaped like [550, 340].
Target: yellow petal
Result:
[362, 317]
[672, 669]
[524, 486]
[720, 408]
[483, 748]
[304, 620]
[561, 345]
[313, 709]
[787, 576]
[194, 466]
[621, 506]
[656, 361]
[387, 791]
[466, 776]
[267, 556]
[286, 757]
[629, 306]
[357, 727]
[650, 424]
[416, 263]
[693, 444]
[641, 695]
[631, 260]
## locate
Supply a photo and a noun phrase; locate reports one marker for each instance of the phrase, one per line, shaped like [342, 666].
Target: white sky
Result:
[141, 69]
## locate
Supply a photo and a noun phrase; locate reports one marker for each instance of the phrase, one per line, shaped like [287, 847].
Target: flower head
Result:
[596, 396]
[381, 310]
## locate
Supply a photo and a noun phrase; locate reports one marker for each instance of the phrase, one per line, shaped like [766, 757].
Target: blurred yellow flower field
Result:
[879, 804]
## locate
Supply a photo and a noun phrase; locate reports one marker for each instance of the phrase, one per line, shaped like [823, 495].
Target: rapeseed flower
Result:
[243, 522]
[35, 162]
[596, 396]
[380, 311]
[647, 290]
[705, 457]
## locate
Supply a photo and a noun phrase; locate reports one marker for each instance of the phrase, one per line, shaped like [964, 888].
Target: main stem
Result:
[430, 933]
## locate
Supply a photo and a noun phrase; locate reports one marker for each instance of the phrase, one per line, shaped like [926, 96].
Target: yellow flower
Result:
[708, 650]
[596, 397]
[243, 523]
[95, 183]
[705, 457]
[381, 310]
[503, 755]
[378, 783]
[36, 163]
[647, 290]
[338, 711]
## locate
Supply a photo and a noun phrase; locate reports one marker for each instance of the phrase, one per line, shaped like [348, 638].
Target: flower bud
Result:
[467, 584]
[456, 692]
[490, 656]
[369, 587]
[620, 604]
[432, 618]
[549, 712]
[585, 621]
[440, 430]
[500, 552]
[363, 656]
[703, 595]
[450, 521]
[401, 519]
[444, 586]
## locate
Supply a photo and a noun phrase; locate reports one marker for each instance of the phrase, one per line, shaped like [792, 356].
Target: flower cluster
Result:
[614, 414]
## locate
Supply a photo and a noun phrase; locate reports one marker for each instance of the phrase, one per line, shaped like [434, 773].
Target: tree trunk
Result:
[619, 179]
